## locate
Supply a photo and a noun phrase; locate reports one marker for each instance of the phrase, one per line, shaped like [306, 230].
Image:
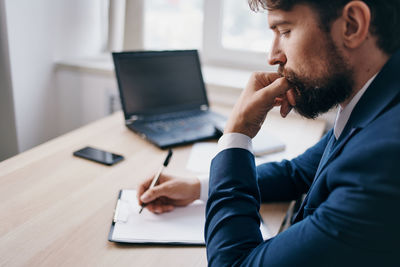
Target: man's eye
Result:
[285, 33]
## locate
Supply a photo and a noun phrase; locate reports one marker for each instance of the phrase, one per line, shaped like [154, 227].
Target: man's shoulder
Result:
[385, 127]
[377, 144]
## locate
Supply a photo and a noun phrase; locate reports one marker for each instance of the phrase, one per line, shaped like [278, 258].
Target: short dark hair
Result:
[385, 16]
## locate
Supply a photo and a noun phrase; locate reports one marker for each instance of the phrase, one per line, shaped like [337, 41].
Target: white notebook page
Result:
[182, 225]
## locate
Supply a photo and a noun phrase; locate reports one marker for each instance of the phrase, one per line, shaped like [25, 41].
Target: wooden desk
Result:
[56, 209]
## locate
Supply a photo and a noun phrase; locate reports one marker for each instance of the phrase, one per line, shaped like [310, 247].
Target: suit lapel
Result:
[334, 151]
[324, 159]
[330, 153]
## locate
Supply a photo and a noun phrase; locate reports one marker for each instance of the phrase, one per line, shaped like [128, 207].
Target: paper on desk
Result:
[265, 143]
[266, 147]
[200, 157]
[182, 225]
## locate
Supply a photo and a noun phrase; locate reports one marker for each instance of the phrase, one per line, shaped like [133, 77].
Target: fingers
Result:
[287, 103]
[265, 78]
[142, 188]
[155, 192]
[160, 206]
[291, 97]
[258, 98]
[272, 95]
[285, 108]
[273, 82]
[170, 192]
[278, 87]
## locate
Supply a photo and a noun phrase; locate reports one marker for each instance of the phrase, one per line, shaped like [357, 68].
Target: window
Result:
[235, 36]
[226, 32]
[173, 24]
[242, 29]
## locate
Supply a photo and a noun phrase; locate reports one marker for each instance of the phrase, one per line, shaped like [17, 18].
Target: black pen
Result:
[157, 176]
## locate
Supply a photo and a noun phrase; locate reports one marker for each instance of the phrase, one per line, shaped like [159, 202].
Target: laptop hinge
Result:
[132, 119]
[204, 107]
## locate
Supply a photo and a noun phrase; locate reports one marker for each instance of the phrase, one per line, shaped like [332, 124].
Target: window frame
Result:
[212, 51]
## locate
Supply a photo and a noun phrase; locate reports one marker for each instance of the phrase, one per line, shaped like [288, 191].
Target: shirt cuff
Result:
[203, 187]
[229, 140]
[235, 140]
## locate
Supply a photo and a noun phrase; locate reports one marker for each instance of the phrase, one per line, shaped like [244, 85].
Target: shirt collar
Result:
[343, 114]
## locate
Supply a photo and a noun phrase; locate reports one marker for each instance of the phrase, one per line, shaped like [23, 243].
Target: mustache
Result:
[281, 70]
[291, 77]
[289, 74]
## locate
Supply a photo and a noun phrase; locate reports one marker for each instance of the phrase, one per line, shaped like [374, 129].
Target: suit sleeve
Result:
[348, 229]
[288, 180]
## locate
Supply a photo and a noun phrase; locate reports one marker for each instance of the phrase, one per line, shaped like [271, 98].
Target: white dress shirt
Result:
[238, 140]
[343, 114]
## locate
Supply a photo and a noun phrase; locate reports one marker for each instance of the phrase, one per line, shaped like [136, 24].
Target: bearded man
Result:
[329, 53]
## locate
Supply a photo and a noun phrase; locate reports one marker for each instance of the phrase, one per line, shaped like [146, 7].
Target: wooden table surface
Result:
[56, 209]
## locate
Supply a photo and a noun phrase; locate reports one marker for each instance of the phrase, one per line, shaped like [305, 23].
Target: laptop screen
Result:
[152, 82]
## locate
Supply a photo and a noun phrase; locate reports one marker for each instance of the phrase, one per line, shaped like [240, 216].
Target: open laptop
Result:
[164, 98]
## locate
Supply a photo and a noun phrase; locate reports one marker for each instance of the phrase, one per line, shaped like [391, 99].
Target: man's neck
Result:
[364, 70]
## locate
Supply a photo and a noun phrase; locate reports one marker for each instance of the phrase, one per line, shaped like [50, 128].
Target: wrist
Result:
[196, 188]
[237, 131]
[243, 128]
[233, 127]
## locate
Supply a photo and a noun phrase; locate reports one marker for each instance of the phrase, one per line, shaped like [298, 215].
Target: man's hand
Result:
[168, 193]
[263, 92]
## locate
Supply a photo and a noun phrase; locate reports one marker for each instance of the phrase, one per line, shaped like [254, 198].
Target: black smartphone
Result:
[98, 155]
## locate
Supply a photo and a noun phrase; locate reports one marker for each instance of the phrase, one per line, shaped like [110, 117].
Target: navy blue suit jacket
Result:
[351, 215]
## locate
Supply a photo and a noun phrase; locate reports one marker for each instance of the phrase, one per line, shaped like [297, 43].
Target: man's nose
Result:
[276, 56]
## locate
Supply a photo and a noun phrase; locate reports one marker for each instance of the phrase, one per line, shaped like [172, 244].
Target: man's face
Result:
[309, 59]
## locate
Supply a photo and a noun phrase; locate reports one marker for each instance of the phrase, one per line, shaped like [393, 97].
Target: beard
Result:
[317, 95]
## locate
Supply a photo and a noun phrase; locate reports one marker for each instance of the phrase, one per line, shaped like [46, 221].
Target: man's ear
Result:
[357, 17]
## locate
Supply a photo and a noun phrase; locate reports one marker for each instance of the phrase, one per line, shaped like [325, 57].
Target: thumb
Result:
[154, 193]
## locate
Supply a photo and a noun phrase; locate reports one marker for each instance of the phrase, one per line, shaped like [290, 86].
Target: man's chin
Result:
[313, 109]
[308, 114]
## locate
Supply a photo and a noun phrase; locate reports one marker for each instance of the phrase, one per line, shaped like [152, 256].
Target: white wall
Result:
[8, 133]
[84, 96]
[39, 33]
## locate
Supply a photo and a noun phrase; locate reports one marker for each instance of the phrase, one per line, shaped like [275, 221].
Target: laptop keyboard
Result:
[184, 128]
[178, 124]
